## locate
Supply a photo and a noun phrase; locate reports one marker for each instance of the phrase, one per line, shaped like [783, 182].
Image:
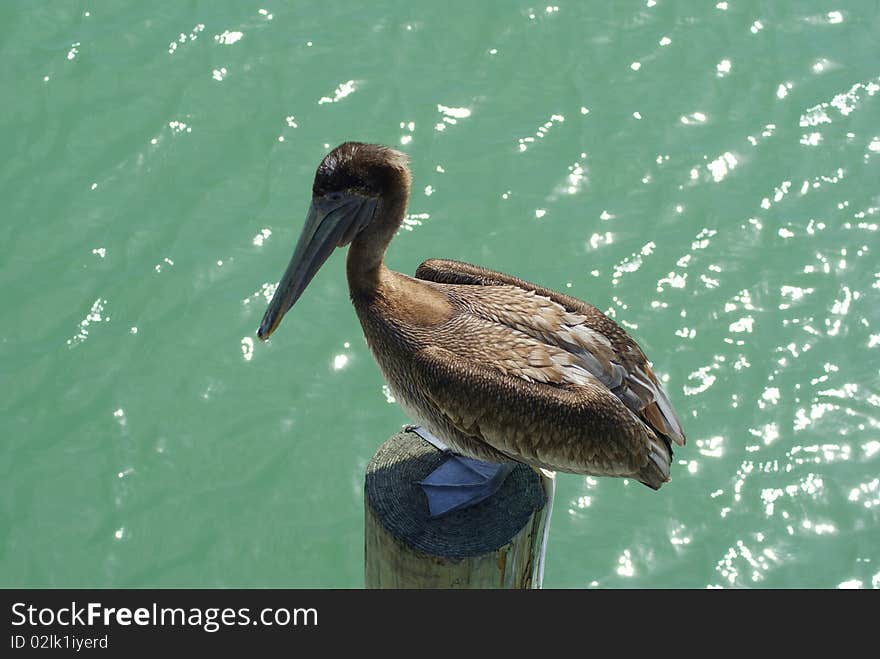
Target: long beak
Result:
[330, 223]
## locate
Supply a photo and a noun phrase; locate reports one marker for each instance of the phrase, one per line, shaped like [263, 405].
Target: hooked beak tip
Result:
[265, 331]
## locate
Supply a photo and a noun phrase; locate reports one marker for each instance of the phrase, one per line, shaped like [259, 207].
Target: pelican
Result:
[499, 369]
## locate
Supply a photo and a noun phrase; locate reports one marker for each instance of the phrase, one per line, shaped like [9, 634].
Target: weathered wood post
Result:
[497, 543]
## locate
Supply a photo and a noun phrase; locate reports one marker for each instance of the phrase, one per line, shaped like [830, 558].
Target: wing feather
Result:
[595, 343]
[584, 430]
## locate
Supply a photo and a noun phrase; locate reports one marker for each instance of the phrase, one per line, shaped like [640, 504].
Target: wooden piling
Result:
[497, 543]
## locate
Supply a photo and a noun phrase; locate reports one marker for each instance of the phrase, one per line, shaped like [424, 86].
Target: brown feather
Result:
[497, 384]
[607, 350]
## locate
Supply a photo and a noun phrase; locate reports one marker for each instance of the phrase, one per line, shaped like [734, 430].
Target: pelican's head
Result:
[351, 183]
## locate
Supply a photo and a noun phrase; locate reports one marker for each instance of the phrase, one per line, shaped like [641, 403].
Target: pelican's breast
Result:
[407, 317]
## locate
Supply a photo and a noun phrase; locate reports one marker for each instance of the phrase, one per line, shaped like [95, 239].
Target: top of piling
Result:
[395, 497]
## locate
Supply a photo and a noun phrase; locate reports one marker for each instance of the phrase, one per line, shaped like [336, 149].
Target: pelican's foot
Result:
[462, 482]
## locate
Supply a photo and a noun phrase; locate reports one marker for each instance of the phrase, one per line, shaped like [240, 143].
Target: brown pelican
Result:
[501, 370]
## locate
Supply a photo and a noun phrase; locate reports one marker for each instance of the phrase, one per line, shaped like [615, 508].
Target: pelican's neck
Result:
[366, 255]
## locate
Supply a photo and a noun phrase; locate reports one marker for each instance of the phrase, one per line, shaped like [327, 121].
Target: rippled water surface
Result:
[707, 173]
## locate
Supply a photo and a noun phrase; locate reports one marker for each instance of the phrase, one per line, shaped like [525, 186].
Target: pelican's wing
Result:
[582, 429]
[600, 345]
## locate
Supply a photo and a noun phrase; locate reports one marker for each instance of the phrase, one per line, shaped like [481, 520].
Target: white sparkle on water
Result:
[247, 348]
[261, 237]
[228, 38]
[343, 90]
[625, 566]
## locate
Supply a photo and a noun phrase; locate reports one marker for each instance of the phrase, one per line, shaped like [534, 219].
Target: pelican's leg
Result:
[459, 482]
[432, 439]
[422, 432]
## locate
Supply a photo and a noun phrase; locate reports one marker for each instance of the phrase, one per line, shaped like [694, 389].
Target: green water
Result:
[707, 173]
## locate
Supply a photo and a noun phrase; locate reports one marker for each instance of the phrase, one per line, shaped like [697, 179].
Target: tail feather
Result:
[656, 470]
